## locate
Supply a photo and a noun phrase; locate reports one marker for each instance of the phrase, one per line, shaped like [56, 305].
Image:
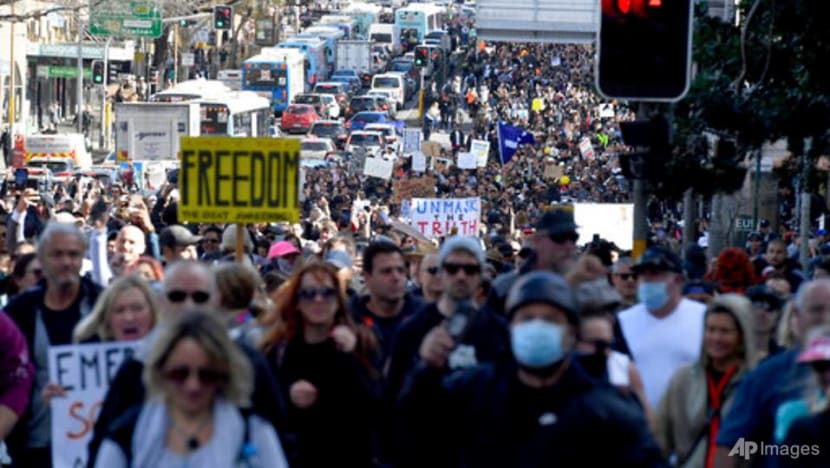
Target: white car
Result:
[372, 142]
[316, 148]
[390, 133]
[388, 98]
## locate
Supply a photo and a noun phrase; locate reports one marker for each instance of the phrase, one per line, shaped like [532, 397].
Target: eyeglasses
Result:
[309, 294]
[179, 375]
[433, 270]
[626, 276]
[562, 237]
[177, 296]
[469, 269]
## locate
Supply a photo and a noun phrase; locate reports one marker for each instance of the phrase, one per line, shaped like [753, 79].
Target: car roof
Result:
[302, 105]
[384, 126]
[315, 140]
[327, 122]
[329, 83]
[366, 132]
[381, 114]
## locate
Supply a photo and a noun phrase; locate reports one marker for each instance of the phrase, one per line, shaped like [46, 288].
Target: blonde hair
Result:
[96, 324]
[786, 335]
[203, 327]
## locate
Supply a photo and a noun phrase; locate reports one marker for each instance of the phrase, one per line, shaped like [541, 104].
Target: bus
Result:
[331, 34]
[416, 20]
[278, 74]
[234, 113]
[364, 14]
[189, 90]
[342, 22]
[317, 66]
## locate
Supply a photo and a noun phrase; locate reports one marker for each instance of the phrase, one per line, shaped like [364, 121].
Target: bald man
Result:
[186, 285]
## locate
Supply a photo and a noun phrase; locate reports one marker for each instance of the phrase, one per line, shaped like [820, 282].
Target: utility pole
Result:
[79, 97]
[11, 76]
[805, 221]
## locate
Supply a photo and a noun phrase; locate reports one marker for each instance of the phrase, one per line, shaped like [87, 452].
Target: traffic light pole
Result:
[103, 93]
[638, 196]
[79, 97]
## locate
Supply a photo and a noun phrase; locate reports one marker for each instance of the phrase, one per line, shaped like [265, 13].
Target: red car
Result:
[298, 118]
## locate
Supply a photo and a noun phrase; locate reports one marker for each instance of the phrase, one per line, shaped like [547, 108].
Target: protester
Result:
[16, 377]
[26, 273]
[126, 311]
[243, 300]
[325, 368]
[686, 425]
[197, 382]
[625, 281]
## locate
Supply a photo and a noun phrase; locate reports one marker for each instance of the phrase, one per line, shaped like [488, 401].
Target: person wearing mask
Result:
[198, 381]
[811, 430]
[126, 311]
[686, 424]
[187, 284]
[537, 409]
[326, 373]
[766, 306]
[387, 303]
[625, 281]
[46, 315]
[283, 257]
[665, 330]
[759, 411]
[177, 243]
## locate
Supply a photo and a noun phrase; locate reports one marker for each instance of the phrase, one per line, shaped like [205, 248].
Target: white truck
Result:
[57, 148]
[386, 34]
[355, 55]
[150, 131]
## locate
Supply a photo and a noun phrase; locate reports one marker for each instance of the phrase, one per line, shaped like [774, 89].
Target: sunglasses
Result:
[469, 269]
[309, 294]
[433, 270]
[179, 375]
[626, 276]
[562, 237]
[177, 296]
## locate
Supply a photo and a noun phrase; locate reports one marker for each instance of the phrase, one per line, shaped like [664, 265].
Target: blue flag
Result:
[510, 137]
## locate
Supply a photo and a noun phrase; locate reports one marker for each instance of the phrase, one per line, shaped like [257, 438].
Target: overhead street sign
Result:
[136, 19]
[239, 180]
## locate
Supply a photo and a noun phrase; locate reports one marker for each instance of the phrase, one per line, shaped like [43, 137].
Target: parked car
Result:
[361, 119]
[373, 142]
[316, 148]
[298, 118]
[332, 129]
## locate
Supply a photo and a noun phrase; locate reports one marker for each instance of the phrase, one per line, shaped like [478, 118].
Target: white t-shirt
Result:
[660, 346]
[617, 365]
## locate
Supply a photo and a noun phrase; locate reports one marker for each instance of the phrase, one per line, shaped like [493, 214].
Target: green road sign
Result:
[136, 19]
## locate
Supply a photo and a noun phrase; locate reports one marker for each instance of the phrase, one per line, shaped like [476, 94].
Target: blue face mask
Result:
[654, 295]
[537, 343]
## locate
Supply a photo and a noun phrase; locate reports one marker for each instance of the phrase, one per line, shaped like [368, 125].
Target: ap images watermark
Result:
[747, 448]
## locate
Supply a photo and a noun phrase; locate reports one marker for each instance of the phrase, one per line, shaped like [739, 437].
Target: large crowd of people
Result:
[347, 340]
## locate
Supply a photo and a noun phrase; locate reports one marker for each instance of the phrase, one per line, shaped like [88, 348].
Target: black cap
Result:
[659, 259]
[763, 293]
[764, 223]
[755, 236]
[559, 220]
[542, 287]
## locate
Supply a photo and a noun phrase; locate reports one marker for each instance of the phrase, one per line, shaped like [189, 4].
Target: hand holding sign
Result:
[52, 390]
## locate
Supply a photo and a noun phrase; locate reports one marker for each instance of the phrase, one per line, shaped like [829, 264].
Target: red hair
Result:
[734, 271]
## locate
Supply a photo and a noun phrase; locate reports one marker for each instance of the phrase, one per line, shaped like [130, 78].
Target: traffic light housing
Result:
[98, 72]
[421, 56]
[644, 49]
[222, 17]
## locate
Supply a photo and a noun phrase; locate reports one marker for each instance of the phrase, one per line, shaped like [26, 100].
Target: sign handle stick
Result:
[240, 242]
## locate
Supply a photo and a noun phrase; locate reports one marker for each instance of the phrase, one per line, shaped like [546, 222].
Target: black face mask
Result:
[596, 363]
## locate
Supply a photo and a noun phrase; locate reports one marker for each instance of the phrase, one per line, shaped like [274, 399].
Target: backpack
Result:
[122, 430]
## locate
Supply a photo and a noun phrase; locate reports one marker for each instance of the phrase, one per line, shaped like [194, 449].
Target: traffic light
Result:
[645, 49]
[650, 140]
[98, 72]
[222, 17]
[421, 56]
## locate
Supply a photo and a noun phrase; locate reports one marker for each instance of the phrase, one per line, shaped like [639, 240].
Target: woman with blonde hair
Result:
[325, 371]
[199, 387]
[700, 394]
[125, 311]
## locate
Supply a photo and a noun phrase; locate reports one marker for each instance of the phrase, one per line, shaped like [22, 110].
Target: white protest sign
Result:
[85, 372]
[586, 149]
[435, 217]
[378, 167]
[481, 150]
[613, 222]
[467, 161]
[411, 140]
[419, 162]
[606, 111]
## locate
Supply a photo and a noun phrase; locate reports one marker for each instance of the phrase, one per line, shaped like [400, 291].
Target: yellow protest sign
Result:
[239, 180]
[538, 104]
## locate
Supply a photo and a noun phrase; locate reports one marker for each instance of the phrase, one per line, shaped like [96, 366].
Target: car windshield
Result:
[402, 66]
[299, 110]
[54, 166]
[306, 99]
[326, 89]
[314, 146]
[326, 130]
[363, 103]
[365, 139]
[369, 118]
[347, 73]
[385, 82]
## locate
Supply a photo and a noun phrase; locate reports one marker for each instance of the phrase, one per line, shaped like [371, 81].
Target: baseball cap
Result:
[339, 259]
[177, 235]
[659, 259]
[281, 249]
[557, 221]
[763, 293]
[468, 244]
[818, 349]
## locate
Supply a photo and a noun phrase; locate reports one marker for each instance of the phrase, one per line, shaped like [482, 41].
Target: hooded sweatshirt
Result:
[684, 419]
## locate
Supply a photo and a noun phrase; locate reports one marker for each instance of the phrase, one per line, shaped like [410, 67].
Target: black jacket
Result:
[384, 329]
[485, 417]
[127, 390]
